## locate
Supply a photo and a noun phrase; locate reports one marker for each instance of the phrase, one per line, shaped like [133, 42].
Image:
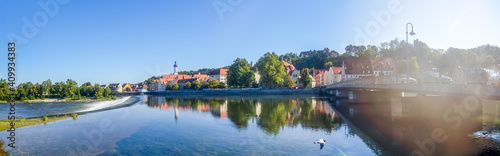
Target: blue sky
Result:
[129, 41]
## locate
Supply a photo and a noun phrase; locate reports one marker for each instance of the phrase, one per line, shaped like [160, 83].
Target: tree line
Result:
[418, 52]
[68, 89]
[417, 55]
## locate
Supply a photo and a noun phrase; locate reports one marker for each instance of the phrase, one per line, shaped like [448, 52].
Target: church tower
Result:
[175, 68]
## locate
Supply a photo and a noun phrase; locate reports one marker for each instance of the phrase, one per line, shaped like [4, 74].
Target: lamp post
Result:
[407, 58]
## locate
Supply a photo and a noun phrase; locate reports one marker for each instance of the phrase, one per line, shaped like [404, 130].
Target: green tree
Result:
[271, 69]
[99, 94]
[288, 82]
[4, 89]
[169, 87]
[46, 86]
[196, 85]
[71, 90]
[213, 83]
[304, 79]
[328, 65]
[175, 86]
[107, 92]
[290, 57]
[187, 85]
[368, 53]
[240, 74]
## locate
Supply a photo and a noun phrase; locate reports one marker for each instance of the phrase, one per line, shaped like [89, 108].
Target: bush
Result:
[187, 85]
[255, 85]
[45, 118]
[175, 86]
[222, 85]
[74, 116]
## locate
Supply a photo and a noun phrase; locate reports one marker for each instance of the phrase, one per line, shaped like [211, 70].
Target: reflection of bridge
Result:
[343, 89]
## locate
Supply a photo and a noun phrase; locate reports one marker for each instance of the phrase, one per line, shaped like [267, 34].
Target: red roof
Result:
[219, 72]
[317, 75]
[336, 70]
[288, 67]
[358, 67]
[319, 72]
[387, 64]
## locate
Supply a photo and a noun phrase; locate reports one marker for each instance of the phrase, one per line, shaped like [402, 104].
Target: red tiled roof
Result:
[202, 77]
[219, 72]
[336, 70]
[288, 67]
[358, 67]
[319, 72]
[386, 64]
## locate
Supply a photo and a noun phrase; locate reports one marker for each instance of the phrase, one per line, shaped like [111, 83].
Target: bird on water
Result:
[321, 143]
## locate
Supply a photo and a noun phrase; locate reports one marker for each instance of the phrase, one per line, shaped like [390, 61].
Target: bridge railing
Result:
[389, 83]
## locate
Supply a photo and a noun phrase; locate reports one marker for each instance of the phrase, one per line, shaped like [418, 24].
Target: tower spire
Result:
[175, 67]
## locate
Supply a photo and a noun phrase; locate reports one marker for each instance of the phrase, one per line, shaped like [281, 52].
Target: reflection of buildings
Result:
[258, 109]
[186, 104]
[220, 111]
[405, 126]
[271, 114]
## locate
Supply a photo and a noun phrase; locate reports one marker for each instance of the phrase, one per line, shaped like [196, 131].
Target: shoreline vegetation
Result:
[68, 91]
[62, 100]
[238, 92]
[30, 121]
[5, 124]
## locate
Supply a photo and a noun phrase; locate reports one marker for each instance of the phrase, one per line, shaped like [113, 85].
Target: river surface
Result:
[372, 124]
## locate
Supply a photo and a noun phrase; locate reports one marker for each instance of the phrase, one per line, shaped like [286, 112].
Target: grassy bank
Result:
[5, 124]
[65, 100]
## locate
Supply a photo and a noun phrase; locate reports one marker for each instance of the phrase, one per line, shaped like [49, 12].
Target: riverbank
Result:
[62, 100]
[244, 91]
[5, 124]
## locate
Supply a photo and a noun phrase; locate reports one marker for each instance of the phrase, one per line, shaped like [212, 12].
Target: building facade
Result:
[332, 75]
[115, 87]
[356, 69]
[383, 66]
[219, 74]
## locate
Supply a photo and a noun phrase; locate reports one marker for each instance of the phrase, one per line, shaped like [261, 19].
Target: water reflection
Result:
[279, 125]
[392, 125]
[271, 114]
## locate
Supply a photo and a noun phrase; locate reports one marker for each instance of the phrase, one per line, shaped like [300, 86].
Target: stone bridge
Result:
[344, 89]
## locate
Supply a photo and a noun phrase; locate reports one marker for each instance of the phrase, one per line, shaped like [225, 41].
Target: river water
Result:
[373, 124]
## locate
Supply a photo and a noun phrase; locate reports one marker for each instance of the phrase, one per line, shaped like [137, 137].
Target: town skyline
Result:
[130, 42]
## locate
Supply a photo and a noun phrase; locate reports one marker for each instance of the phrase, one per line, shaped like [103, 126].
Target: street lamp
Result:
[408, 59]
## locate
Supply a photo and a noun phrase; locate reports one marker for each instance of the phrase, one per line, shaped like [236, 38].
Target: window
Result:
[368, 72]
[363, 72]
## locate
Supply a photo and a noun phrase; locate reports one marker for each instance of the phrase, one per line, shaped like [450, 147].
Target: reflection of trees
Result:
[214, 103]
[240, 111]
[306, 108]
[273, 116]
[324, 121]
[271, 113]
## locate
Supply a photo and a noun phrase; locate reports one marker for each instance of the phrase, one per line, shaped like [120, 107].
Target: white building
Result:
[295, 76]
[383, 66]
[333, 75]
[219, 74]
